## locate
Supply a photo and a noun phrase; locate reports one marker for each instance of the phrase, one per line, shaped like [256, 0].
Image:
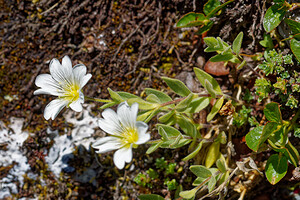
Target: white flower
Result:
[125, 133]
[66, 83]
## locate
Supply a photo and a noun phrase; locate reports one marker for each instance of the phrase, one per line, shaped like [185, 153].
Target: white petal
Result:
[84, 80]
[79, 71]
[110, 124]
[121, 156]
[142, 128]
[61, 73]
[48, 85]
[66, 62]
[53, 108]
[127, 115]
[76, 105]
[106, 144]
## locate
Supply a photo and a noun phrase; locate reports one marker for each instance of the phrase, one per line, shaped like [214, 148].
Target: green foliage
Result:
[152, 173]
[161, 163]
[263, 88]
[276, 168]
[150, 197]
[171, 185]
[203, 20]
[241, 117]
[274, 16]
[142, 180]
[276, 133]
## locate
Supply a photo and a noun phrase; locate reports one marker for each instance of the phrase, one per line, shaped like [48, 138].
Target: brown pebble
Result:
[216, 68]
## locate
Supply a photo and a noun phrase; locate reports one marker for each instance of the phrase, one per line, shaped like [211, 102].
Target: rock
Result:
[216, 68]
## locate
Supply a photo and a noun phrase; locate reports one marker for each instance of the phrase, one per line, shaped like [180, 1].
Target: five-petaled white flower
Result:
[66, 83]
[125, 133]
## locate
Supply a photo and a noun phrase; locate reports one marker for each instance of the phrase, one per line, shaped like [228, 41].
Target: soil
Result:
[126, 46]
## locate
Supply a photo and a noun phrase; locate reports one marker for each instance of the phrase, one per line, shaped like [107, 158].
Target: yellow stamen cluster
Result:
[129, 136]
[72, 93]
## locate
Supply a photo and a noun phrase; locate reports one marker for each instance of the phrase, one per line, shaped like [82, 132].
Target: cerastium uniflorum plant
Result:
[174, 111]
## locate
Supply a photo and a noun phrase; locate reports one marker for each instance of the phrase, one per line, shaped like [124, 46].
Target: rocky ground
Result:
[126, 46]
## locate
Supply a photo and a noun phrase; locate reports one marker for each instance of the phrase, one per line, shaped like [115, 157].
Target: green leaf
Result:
[276, 168]
[295, 47]
[200, 171]
[211, 183]
[210, 6]
[126, 95]
[177, 86]
[213, 154]
[144, 115]
[213, 44]
[166, 117]
[272, 112]
[152, 98]
[192, 19]
[175, 142]
[294, 25]
[107, 105]
[150, 197]
[187, 125]
[168, 130]
[268, 129]
[278, 137]
[205, 28]
[202, 76]
[115, 96]
[208, 86]
[267, 41]
[252, 138]
[143, 105]
[182, 105]
[237, 43]
[221, 57]
[161, 96]
[293, 154]
[198, 181]
[197, 105]
[215, 109]
[288, 153]
[153, 147]
[188, 194]
[194, 153]
[273, 17]
[221, 165]
[241, 65]
[211, 14]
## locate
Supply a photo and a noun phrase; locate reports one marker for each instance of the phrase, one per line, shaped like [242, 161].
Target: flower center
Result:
[129, 136]
[72, 93]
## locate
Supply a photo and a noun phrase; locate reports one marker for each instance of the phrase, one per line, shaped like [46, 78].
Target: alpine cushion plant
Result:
[66, 83]
[125, 133]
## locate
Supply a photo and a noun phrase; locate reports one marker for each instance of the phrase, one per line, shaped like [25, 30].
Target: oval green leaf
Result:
[272, 112]
[202, 76]
[192, 19]
[295, 47]
[276, 168]
[177, 86]
[215, 109]
[237, 43]
[273, 17]
[252, 138]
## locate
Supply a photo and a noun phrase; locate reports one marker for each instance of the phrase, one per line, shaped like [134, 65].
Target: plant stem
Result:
[97, 100]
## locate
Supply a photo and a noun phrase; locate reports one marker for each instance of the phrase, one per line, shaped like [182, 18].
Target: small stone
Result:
[200, 61]
[216, 68]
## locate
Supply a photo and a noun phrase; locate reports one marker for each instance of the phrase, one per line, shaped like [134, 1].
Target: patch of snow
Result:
[13, 137]
[63, 146]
